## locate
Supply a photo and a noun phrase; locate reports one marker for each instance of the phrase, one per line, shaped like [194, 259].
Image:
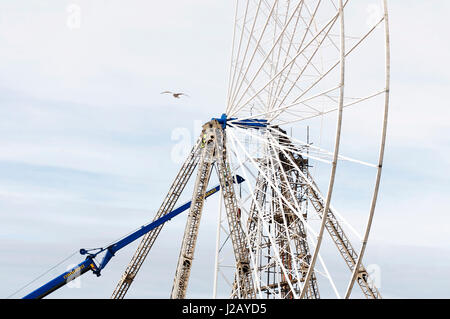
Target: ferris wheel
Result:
[298, 154]
[308, 82]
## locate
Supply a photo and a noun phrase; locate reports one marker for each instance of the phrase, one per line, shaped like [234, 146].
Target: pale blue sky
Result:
[86, 138]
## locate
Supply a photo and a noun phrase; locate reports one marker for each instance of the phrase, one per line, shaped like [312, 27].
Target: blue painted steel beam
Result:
[246, 123]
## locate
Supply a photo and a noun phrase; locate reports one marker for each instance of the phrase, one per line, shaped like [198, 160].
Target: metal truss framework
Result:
[292, 62]
[289, 231]
[213, 151]
[209, 149]
[285, 275]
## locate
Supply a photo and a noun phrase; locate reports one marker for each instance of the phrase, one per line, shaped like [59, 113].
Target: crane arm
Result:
[89, 264]
[63, 279]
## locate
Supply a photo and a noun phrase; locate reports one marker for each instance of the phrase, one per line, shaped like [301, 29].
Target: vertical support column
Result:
[208, 149]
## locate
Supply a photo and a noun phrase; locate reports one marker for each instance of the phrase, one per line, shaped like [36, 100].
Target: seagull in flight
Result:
[175, 95]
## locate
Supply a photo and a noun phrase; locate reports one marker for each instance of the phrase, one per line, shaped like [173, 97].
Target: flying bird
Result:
[175, 95]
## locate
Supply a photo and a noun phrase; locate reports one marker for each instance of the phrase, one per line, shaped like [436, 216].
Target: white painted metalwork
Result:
[298, 65]
[293, 65]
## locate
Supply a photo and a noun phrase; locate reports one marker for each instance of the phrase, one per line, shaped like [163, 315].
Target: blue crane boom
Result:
[89, 263]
